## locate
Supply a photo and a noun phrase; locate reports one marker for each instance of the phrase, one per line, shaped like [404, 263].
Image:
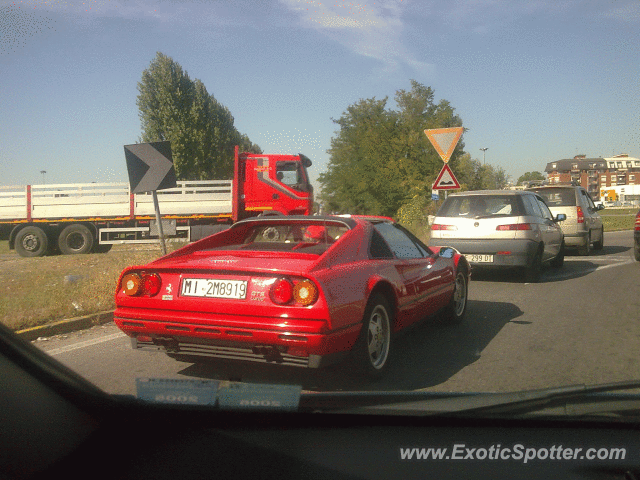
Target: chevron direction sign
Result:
[444, 140]
[150, 166]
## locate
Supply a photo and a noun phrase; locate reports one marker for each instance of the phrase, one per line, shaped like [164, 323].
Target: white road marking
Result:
[86, 343]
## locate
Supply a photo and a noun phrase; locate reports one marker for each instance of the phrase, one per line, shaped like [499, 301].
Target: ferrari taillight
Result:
[298, 292]
[305, 292]
[151, 284]
[637, 226]
[131, 284]
[281, 291]
[134, 284]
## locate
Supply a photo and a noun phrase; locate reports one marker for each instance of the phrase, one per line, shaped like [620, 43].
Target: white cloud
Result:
[373, 29]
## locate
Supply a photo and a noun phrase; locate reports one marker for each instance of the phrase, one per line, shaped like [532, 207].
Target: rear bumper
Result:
[578, 239]
[303, 343]
[506, 253]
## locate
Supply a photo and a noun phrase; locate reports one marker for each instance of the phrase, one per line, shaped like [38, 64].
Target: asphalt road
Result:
[580, 324]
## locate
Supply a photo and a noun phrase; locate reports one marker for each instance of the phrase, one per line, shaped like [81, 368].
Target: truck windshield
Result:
[293, 175]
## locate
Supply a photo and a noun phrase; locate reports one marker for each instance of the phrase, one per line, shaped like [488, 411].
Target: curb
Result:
[66, 326]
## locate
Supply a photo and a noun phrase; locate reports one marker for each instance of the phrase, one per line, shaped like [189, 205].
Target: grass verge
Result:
[35, 291]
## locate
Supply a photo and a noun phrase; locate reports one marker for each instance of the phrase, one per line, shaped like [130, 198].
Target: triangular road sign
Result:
[444, 140]
[446, 180]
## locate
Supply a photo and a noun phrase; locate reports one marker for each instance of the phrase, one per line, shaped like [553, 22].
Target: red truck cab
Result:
[271, 183]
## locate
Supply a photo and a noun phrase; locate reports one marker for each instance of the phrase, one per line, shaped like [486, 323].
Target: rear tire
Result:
[75, 239]
[585, 250]
[559, 260]
[636, 250]
[600, 243]
[454, 312]
[371, 351]
[534, 271]
[31, 242]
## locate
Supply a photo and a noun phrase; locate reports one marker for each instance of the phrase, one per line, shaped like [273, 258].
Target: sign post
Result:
[150, 168]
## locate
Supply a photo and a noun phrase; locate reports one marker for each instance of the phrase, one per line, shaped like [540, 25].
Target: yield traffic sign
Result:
[444, 140]
[150, 166]
[446, 180]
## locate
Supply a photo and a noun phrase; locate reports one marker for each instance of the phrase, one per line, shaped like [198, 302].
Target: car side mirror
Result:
[600, 207]
[561, 217]
[446, 252]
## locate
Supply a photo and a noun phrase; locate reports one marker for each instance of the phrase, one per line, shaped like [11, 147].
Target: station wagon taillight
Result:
[580, 215]
[437, 226]
[514, 226]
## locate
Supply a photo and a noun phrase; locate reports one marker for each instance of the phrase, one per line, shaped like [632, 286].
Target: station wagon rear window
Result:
[558, 197]
[481, 206]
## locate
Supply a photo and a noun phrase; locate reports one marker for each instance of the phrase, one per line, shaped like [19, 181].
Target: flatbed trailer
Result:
[91, 217]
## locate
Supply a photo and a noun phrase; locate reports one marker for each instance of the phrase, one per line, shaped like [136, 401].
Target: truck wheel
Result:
[74, 239]
[31, 242]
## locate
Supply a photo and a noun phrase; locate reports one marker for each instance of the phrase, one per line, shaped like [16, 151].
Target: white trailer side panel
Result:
[108, 200]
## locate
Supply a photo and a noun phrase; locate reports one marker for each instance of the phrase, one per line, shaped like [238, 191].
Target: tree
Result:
[530, 176]
[473, 175]
[173, 107]
[380, 159]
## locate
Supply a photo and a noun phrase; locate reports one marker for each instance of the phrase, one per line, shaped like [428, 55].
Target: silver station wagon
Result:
[501, 228]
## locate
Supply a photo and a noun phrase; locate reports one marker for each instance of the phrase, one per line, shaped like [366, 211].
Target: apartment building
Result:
[597, 174]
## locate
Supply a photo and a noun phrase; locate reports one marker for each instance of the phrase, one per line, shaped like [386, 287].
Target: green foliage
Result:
[381, 160]
[173, 107]
[530, 176]
[473, 175]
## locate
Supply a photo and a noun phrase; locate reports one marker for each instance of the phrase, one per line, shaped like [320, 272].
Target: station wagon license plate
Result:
[214, 288]
[480, 258]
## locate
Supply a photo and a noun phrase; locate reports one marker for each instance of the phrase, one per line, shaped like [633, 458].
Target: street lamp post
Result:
[43, 172]
[484, 151]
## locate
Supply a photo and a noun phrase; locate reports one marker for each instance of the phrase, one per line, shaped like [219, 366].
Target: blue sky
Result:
[534, 81]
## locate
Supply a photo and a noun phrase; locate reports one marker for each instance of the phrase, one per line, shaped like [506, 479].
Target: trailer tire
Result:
[75, 239]
[31, 242]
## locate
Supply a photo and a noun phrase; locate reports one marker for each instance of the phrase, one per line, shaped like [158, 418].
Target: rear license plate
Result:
[480, 258]
[214, 288]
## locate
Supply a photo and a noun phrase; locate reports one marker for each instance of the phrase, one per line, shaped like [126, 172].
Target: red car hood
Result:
[241, 261]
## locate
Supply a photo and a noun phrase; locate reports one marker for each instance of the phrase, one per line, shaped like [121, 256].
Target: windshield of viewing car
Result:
[481, 206]
[406, 111]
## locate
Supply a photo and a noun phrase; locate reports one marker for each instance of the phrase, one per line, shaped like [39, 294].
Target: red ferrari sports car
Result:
[292, 290]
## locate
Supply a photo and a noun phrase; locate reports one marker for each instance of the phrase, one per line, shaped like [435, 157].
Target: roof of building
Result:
[583, 163]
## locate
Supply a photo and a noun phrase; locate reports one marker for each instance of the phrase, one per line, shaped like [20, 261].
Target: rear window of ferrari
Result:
[485, 206]
[310, 237]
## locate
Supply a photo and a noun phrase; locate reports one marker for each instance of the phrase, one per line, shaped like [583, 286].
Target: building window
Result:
[632, 178]
[555, 166]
